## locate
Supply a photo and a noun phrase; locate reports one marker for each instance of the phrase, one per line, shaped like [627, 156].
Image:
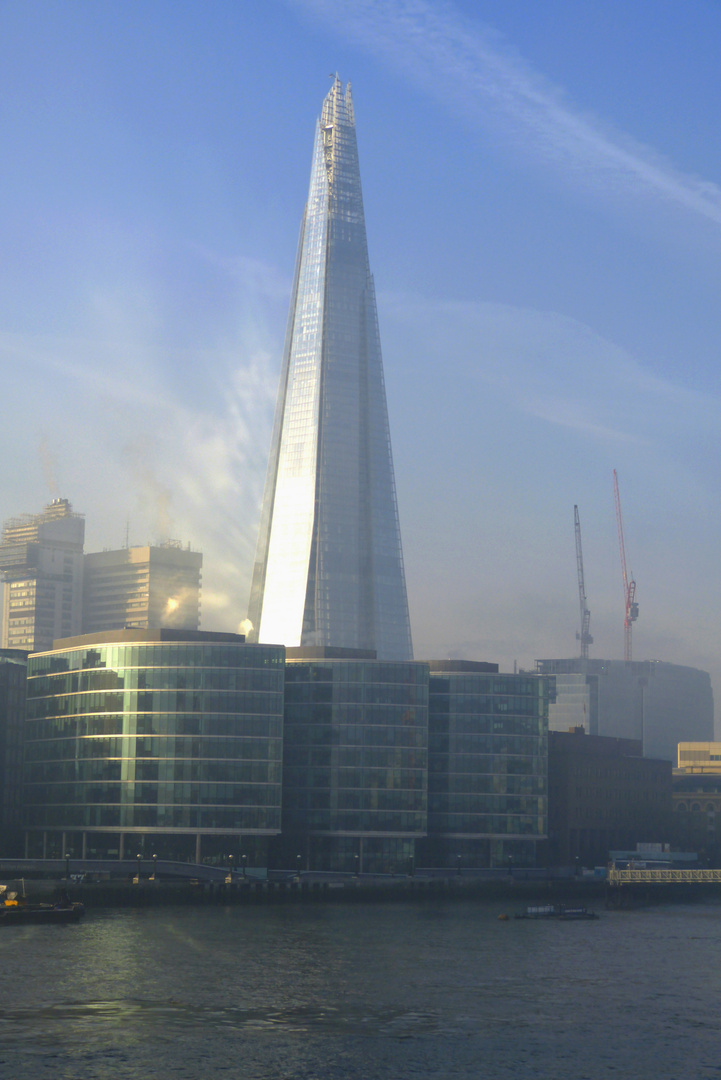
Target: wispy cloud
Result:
[554, 368]
[470, 68]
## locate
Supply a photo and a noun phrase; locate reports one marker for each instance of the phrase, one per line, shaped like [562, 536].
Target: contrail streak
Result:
[467, 66]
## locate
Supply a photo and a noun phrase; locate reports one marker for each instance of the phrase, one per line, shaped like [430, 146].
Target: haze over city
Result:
[543, 207]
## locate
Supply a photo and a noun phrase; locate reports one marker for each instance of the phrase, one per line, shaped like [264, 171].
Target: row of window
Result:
[177, 654]
[449, 756]
[156, 817]
[55, 796]
[343, 674]
[356, 821]
[131, 747]
[378, 733]
[494, 824]
[487, 784]
[153, 724]
[354, 694]
[473, 803]
[398, 779]
[260, 679]
[154, 701]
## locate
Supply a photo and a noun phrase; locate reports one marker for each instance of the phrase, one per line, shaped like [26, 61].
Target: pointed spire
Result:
[329, 567]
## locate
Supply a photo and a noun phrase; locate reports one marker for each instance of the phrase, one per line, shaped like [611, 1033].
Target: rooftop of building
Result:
[575, 740]
[458, 666]
[14, 656]
[58, 508]
[165, 635]
[167, 551]
[578, 665]
[328, 652]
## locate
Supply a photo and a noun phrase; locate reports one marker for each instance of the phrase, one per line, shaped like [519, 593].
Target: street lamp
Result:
[244, 860]
[155, 863]
[356, 861]
[298, 865]
[137, 876]
[510, 866]
[68, 853]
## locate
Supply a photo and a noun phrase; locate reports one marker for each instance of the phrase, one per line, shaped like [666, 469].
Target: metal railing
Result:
[648, 877]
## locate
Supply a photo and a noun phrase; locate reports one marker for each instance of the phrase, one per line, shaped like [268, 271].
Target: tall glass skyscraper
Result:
[329, 566]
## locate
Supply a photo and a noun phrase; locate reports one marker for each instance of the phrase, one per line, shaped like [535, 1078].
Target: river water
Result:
[335, 992]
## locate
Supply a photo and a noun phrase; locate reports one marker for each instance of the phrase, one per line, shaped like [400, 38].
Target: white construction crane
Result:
[585, 636]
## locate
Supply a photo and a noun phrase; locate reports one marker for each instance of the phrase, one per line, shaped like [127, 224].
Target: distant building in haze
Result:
[142, 587]
[41, 565]
[329, 568]
[657, 703]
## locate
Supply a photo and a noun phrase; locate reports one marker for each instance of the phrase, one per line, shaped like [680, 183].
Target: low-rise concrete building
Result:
[603, 794]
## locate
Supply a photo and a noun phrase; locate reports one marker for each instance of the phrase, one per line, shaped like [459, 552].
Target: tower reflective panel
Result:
[329, 565]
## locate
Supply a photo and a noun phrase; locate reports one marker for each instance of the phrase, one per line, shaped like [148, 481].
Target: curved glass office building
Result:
[164, 742]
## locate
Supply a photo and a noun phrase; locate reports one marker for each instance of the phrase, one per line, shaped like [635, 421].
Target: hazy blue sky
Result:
[542, 185]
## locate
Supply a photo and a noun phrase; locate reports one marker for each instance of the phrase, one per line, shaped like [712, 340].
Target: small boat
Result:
[15, 911]
[576, 913]
[557, 911]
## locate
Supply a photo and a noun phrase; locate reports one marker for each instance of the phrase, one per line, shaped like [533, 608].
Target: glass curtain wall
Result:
[329, 567]
[355, 764]
[178, 744]
[487, 768]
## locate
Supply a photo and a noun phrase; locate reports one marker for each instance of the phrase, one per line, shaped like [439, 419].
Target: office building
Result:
[487, 763]
[13, 669]
[329, 568]
[603, 794]
[355, 761]
[154, 742]
[697, 799]
[41, 566]
[142, 588]
[657, 703]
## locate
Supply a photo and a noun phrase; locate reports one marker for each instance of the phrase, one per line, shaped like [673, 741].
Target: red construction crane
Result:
[629, 586]
[585, 636]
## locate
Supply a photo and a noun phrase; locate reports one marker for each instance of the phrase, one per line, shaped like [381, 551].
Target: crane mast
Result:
[585, 636]
[629, 585]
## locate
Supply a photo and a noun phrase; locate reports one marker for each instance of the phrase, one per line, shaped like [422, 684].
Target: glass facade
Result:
[166, 733]
[487, 765]
[355, 762]
[329, 568]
